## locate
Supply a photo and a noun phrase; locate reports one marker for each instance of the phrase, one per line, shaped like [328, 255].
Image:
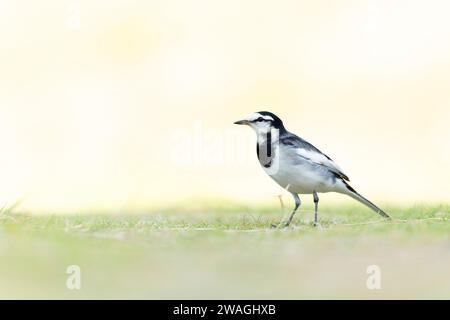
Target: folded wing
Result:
[308, 152]
[323, 160]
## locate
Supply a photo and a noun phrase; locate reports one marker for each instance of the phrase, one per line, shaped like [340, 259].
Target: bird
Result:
[298, 166]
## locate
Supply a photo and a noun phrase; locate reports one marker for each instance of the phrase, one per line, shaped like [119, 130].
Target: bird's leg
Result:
[316, 205]
[297, 204]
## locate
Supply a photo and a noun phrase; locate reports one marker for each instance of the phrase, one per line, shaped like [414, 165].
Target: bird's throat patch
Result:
[264, 151]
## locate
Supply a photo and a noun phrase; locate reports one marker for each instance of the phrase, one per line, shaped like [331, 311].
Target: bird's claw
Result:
[317, 225]
[281, 225]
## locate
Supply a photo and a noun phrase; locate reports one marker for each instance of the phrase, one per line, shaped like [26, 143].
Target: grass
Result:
[227, 253]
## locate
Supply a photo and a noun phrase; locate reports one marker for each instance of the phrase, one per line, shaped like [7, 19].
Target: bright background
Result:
[125, 105]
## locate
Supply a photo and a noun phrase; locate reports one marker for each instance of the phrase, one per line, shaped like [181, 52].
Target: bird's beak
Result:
[241, 122]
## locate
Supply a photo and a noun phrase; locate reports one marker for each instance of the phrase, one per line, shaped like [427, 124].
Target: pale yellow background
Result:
[110, 108]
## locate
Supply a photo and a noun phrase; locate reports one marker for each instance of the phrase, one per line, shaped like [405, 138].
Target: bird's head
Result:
[262, 121]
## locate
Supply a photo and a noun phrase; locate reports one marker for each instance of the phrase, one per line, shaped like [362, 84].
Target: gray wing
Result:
[310, 153]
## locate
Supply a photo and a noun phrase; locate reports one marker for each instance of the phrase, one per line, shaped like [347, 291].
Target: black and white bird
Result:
[296, 165]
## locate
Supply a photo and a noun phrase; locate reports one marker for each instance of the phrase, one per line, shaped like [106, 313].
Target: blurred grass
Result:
[227, 252]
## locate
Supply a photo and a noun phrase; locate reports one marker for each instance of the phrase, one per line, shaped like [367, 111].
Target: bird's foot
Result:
[281, 225]
[317, 225]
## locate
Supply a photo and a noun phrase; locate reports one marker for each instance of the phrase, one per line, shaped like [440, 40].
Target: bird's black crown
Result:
[277, 123]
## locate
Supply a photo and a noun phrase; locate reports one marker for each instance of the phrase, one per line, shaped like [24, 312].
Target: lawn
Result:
[227, 252]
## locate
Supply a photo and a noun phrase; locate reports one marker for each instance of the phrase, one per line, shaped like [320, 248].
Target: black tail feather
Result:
[355, 195]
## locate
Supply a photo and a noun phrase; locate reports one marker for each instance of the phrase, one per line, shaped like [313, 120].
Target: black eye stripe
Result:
[259, 119]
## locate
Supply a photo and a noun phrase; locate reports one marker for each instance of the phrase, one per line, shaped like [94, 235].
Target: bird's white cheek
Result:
[262, 127]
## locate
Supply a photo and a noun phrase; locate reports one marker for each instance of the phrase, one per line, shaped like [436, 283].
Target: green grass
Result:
[227, 252]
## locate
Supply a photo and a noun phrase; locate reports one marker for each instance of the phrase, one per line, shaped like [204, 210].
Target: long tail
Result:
[355, 195]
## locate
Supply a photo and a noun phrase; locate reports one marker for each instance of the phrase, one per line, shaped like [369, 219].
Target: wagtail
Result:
[296, 165]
